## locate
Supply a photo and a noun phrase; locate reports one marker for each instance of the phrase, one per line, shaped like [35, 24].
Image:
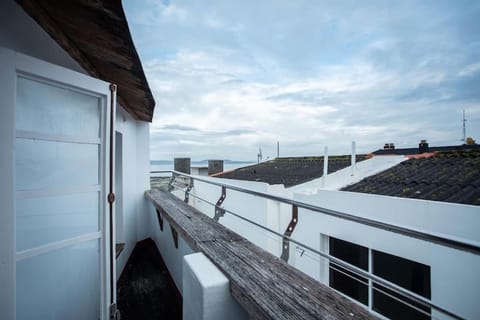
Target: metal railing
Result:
[443, 240]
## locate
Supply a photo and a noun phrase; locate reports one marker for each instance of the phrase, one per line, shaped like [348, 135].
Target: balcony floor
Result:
[145, 290]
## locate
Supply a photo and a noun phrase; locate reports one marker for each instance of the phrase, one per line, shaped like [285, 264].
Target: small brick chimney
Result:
[423, 146]
[389, 146]
[182, 165]
[215, 166]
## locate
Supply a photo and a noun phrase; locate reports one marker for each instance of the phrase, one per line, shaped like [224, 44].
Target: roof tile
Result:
[450, 176]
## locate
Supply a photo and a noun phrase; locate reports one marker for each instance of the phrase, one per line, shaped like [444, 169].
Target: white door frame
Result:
[11, 65]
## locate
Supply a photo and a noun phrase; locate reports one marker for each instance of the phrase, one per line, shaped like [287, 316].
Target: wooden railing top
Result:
[265, 286]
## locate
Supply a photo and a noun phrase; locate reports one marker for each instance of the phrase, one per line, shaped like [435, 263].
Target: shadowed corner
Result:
[145, 289]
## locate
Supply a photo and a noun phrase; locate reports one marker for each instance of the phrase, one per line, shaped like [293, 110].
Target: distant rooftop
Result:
[408, 151]
[289, 171]
[450, 176]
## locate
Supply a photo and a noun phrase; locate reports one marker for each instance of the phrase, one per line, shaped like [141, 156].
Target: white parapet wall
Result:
[172, 256]
[206, 292]
[204, 288]
[455, 284]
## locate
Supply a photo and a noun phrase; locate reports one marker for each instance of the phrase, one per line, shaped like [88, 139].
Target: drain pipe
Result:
[354, 157]
[325, 166]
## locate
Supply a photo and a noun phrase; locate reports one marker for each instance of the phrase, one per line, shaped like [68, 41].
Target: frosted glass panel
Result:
[48, 109]
[47, 219]
[63, 284]
[47, 164]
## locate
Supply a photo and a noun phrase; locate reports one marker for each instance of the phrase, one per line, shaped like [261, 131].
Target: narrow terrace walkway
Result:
[144, 289]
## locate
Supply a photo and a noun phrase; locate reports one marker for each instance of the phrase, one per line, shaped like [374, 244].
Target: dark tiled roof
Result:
[405, 151]
[289, 171]
[452, 176]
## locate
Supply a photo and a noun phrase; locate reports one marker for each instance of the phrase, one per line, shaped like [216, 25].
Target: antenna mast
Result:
[464, 127]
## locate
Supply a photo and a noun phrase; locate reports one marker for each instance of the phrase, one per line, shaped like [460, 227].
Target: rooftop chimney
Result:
[181, 165]
[353, 159]
[389, 146]
[215, 166]
[325, 166]
[423, 146]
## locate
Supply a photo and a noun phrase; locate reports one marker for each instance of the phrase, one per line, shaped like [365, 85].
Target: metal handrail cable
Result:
[459, 244]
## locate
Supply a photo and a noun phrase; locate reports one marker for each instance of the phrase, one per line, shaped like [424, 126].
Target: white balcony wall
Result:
[206, 292]
[135, 180]
[204, 288]
[173, 257]
[454, 280]
[454, 274]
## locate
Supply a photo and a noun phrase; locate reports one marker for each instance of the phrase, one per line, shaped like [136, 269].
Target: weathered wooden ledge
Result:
[265, 286]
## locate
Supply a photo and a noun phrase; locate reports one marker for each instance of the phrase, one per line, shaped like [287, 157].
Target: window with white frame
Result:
[408, 274]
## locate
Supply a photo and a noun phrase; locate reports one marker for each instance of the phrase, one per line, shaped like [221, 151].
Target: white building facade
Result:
[55, 237]
[446, 276]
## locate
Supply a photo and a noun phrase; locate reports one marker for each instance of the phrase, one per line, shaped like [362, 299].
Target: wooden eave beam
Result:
[41, 16]
[106, 64]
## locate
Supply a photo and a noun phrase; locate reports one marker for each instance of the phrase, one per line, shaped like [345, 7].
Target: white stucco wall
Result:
[173, 257]
[136, 168]
[455, 283]
[454, 280]
[142, 169]
[206, 292]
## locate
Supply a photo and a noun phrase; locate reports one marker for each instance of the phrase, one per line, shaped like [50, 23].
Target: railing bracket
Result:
[219, 211]
[286, 242]
[160, 219]
[187, 191]
[172, 180]
[174, 236]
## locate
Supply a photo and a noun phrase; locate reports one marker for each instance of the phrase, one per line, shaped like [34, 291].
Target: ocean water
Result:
[161, 165]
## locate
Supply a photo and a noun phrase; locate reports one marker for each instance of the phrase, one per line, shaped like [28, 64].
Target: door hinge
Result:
[114, 312]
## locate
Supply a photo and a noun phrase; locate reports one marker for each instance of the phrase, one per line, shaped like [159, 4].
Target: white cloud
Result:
[469, 70]
[244, 75]
[175, 13]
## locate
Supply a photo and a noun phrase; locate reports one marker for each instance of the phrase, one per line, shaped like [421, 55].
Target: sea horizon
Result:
[162, 165]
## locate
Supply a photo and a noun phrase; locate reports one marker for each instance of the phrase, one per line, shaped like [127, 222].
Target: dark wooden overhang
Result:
[95, 33]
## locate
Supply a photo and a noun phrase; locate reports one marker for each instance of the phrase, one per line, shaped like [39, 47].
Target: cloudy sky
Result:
[232, 76]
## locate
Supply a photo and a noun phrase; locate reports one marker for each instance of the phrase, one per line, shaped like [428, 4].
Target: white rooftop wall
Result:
[454, 280]
[342, 178]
